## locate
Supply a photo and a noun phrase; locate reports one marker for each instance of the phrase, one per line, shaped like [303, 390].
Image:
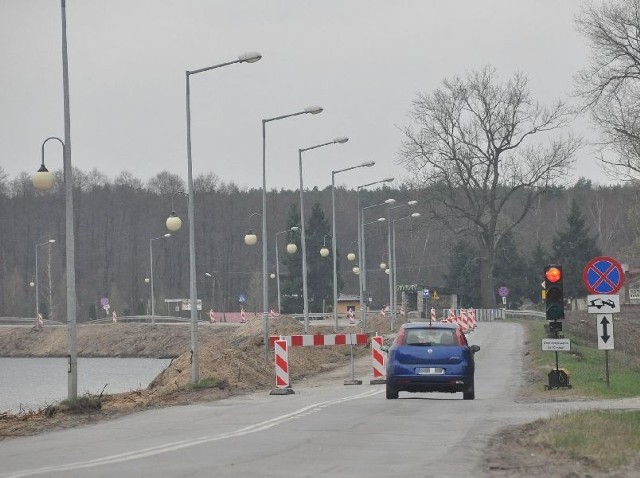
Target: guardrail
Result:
[527, 314]
[26, 321]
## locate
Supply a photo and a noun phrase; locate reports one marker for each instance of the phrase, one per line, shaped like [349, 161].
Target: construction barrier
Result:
[319, 339]
[310, 341]
[377, 358]
[281, 354]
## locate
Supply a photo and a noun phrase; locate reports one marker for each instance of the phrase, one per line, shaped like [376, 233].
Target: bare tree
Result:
[610, 84]
[471, 146]
[166, 183]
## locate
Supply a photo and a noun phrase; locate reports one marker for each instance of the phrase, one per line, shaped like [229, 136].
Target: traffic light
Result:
[554, 301]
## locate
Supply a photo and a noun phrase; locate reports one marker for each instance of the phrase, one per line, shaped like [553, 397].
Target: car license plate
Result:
[430, 371]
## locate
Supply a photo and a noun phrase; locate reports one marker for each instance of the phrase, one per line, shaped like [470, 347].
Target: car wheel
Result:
[391, 394]
[470, 393]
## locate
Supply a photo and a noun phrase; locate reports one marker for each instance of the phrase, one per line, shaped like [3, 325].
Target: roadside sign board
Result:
[425, 293]
[603, 275]
[556, 345]
[503, 291]
[604, 326]
[242, 299]
[603, 304]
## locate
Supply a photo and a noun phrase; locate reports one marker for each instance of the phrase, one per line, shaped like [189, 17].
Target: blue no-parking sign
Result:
[603, 275]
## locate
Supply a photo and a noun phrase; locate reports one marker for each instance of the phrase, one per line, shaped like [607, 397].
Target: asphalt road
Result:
[325, 429]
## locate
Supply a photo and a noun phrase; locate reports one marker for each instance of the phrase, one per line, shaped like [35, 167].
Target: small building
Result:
[348, 302]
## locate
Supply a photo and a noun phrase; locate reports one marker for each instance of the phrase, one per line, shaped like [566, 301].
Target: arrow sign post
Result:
[604, 325]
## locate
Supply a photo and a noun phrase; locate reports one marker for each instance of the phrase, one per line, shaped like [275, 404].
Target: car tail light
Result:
[400, 337]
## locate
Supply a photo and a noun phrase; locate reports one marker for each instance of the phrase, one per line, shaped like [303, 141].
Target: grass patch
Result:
[586, 367]
[607, 437]
[209, 382]
[83, 404]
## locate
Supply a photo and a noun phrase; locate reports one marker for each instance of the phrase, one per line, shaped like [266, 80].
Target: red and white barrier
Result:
[282, 363]
[273, 314]
[315, 340]
[114, 317]
[40, 320]
[243, 318]
[377, 358]
[433, 314]
[351, 316]
[212, 316]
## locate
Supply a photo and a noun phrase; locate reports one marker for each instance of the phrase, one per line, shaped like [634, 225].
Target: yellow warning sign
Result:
[435, 295]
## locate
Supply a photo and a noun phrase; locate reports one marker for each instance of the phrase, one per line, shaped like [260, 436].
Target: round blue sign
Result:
[603, 275]
[503, 291]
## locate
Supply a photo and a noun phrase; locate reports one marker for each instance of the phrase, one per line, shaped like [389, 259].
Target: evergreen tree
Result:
[573, 248]
[291, 268]
[319, 269]
[537, 261]
[511, 270]
[463, 277]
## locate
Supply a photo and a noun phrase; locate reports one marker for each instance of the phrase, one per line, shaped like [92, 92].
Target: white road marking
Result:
[174, 446]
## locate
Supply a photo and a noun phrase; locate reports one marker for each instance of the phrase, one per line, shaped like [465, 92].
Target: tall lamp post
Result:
[393, 258]
[360, 262]
[334, 242]
[153, 298]
[305, 294]
[291, 249]
[392, 268]
[50, 241]
[193, 294]
[362, 270]
[265, 283]
[43, 180]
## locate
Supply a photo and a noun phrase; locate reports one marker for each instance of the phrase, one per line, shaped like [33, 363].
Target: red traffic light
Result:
[553, 274]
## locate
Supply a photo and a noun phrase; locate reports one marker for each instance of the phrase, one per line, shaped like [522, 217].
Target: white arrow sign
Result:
[604, 326]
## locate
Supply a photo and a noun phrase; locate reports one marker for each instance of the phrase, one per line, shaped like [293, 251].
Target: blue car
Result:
[431, 357]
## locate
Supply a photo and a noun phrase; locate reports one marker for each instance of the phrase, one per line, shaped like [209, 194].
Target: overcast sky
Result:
[363, 61]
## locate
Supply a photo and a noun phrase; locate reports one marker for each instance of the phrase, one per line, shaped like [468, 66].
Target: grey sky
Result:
[363, 61]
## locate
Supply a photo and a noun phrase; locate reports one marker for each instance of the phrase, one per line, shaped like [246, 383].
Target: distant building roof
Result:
[348, 297]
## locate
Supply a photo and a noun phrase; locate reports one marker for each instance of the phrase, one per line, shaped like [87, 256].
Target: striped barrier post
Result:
[378, 361]
[282, 369]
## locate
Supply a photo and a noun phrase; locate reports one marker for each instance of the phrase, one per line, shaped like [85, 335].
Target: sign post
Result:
[603, 277]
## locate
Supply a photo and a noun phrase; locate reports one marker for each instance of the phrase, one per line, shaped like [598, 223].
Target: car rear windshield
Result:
[430, 337]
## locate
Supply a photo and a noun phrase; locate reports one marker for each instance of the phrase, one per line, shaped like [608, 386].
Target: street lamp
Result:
[314, 110]
[324, 250]
[361, 265]
[362, 269]
[173, 222]
[250, 238]
[393, 260]
[334, 242]
[291, 249]
[305, 295]
[193, 294]
[153, 298]
[392, 279]
[211, 275]
[43, 180]
[50, 241]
